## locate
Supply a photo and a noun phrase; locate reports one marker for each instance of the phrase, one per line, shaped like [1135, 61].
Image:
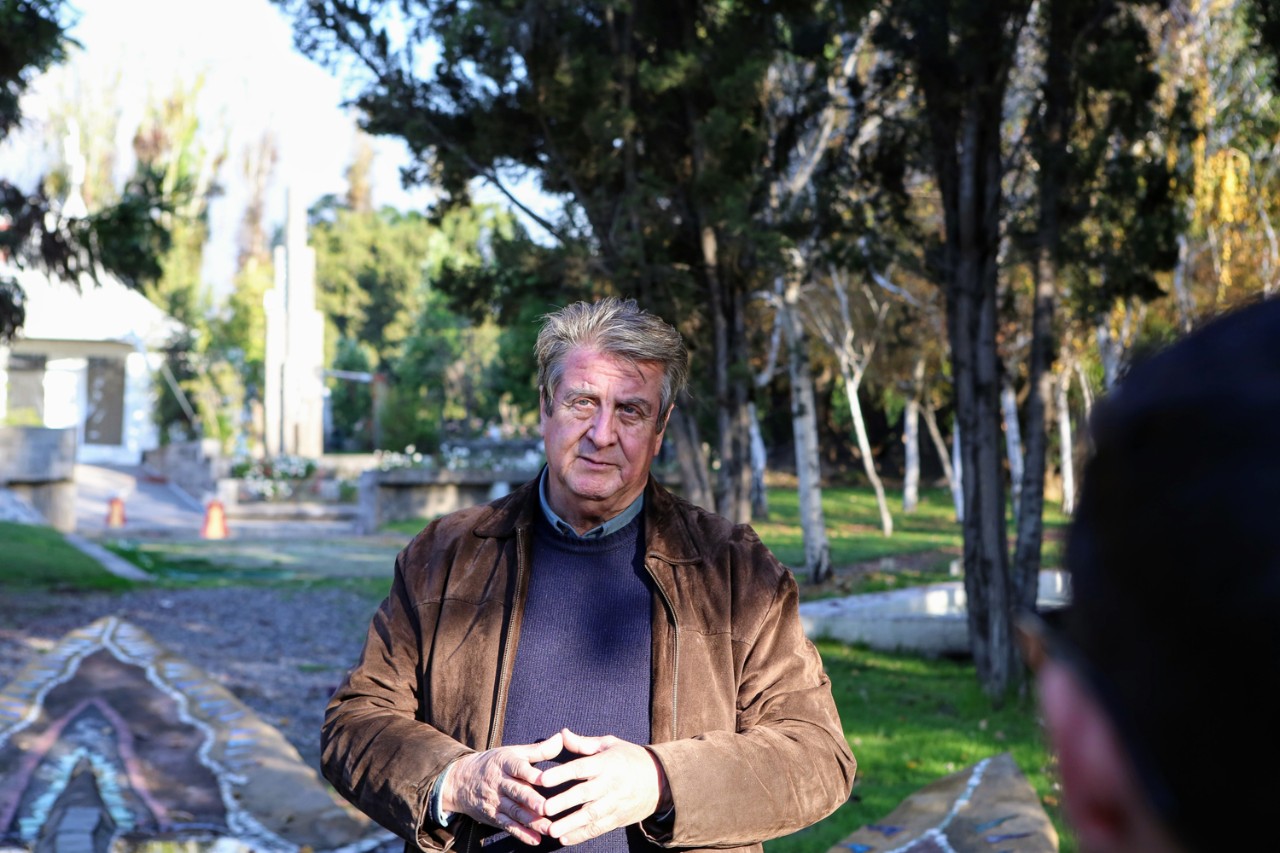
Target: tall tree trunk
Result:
[1057, 119]
[759, 496]
[851, 382]
[1030, 524]
[695, 478]
[1066, 441]
[738, 498]
[719, 309]
[940, 448]
[963, 54]
[957, 464]
[804, 424]
[1012, 442]
[972, 321]
[1108, 353]
[911, 439]
[804, 420]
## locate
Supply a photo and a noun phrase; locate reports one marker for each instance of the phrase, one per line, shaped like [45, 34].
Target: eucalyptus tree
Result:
[642, 120]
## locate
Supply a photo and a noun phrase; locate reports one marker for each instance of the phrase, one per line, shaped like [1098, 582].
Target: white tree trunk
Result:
[911, 439]
[851, 383]
[1108, 354]
[1067, 444]
[759, 498]
[911, 449]
[939, 444]
[1085, 391]
[957, 463]
[804, 420]
[1012, 444]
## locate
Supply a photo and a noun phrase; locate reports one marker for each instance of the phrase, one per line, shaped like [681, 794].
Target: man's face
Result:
[601, 435]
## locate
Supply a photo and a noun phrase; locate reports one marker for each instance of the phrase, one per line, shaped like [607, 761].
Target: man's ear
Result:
[665, 419]
[1104, 803]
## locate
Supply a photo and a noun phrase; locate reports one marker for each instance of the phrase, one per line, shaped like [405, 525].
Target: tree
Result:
[125, 239]
[961, 55]
[852, 336]
[643, 119]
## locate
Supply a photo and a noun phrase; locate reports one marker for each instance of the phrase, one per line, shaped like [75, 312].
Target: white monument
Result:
[294, 396]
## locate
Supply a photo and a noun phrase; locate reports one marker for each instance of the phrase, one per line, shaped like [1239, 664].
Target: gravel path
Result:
[281, 651]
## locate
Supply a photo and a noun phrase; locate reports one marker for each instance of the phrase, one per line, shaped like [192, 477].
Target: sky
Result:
[254, 82]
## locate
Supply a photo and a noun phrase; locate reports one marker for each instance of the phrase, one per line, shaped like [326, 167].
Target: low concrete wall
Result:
[193, 466]
[928, 620]
[37, 454]
[39, 465]
[404, 493]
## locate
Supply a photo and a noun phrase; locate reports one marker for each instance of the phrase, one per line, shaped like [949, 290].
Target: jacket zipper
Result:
[675, 656]
[504, 674]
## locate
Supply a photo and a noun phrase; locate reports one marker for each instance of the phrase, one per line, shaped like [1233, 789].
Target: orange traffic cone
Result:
[215, 521]
[115, 512]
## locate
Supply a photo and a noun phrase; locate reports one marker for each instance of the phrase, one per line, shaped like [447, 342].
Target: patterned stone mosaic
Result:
[109, 730]
[988, 807]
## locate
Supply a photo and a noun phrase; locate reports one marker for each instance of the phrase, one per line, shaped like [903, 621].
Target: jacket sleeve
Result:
[787, 765]
[374, 749]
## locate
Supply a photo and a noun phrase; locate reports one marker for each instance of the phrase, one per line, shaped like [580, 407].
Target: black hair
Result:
[1174, 557]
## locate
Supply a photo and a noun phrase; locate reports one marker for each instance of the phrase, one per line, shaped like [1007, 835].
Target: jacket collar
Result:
[666, 521]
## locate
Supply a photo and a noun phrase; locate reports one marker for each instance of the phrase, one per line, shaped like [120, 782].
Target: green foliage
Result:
[32, 38]
[382, 279]
[370, 272]
[406, 420]
[243, 332]
[39, 558]
[351, 401]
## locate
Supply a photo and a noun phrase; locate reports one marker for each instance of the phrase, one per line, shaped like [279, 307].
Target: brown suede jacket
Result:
[742, 717]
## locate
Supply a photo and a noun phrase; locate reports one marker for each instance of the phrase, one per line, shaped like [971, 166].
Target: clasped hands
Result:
[617, 783]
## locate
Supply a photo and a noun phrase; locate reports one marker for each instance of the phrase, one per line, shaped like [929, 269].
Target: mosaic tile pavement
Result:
[988, 807]
[110, 738]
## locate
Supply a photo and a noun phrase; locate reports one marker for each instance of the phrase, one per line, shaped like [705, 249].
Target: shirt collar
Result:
[613, 525]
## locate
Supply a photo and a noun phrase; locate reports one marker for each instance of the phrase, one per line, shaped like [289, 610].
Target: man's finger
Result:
[582, 744]
[525, 757]
[587, 767]
[583, 825]
[584, 792]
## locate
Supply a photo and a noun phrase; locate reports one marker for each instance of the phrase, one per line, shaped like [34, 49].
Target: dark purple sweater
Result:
[583, 661]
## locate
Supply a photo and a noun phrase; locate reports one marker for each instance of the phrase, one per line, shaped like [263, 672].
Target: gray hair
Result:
[616, 327]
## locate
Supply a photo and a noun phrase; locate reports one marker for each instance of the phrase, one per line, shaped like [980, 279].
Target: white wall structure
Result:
[294, 394]
[86, 358]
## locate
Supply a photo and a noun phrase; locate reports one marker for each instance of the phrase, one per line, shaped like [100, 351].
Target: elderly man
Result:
[1156, 682]
[590, 660]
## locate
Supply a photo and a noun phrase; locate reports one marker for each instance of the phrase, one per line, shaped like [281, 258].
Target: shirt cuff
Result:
[435, 808]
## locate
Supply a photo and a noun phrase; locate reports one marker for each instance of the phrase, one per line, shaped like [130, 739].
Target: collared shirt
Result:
[613, 525]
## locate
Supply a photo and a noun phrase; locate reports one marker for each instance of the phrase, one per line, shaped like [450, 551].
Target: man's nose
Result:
[604, 428]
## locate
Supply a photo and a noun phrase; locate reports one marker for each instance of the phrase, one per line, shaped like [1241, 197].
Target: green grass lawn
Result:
[34, 557]
[911, 721]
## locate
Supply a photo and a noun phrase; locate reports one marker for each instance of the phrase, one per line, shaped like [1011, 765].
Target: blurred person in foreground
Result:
[590, 660]
[1156, 684]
